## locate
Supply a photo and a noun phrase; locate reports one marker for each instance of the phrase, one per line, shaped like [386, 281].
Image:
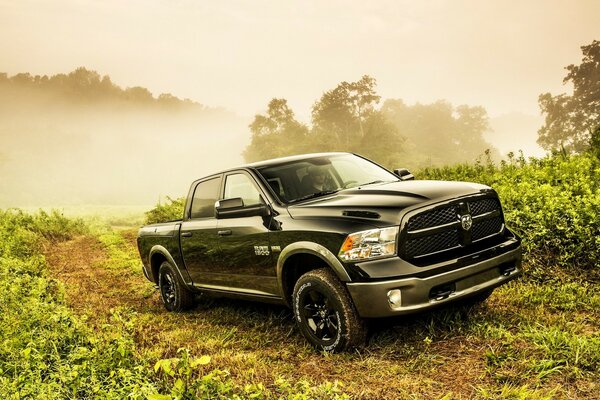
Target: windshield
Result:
[318, 176]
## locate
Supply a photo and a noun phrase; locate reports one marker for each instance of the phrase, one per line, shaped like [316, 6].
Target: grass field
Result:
[527, 341]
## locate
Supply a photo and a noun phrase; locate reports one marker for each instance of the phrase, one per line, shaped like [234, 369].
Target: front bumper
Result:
[371, 298]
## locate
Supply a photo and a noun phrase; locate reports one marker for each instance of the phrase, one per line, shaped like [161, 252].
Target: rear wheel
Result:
[175, 295]
[325, 313]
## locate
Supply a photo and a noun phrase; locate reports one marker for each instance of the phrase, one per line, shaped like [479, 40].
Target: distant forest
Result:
[84, 86]
[349, 118]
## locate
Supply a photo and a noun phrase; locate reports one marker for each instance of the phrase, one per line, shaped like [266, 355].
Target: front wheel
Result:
[175, 295]
[325, 313]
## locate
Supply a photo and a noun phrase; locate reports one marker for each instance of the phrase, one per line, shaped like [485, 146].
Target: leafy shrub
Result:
[169, 211]
[553, 203]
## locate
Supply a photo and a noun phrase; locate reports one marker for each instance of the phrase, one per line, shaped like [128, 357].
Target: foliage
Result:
[343, 119]
[276, 134]
[45, 351]
[170, 210]
[346, 119]
[570, 120]
[553, 203]
[595, 143]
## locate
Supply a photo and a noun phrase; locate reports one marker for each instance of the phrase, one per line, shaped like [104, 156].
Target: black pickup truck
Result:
[337, 238]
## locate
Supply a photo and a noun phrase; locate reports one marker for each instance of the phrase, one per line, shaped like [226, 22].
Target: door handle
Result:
[226, 232]
[186, 234]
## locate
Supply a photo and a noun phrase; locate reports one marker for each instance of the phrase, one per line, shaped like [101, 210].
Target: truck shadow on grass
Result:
[254, 318]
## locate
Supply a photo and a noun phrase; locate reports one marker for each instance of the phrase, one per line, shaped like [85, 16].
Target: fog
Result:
[59, 149]
[78, 139]
[57, 152]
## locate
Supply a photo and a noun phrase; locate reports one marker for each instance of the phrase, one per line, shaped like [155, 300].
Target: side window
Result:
[240, 185]
[205, 196]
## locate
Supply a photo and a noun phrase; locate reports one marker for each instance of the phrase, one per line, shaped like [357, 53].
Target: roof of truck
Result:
[284, 160]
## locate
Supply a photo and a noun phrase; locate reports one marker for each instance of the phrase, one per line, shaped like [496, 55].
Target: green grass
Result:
[531, 340]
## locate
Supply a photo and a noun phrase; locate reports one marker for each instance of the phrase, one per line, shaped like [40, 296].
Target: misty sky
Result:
[240, 54]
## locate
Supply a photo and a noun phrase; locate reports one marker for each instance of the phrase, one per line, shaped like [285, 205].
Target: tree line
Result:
[85, 86]
[349, 118]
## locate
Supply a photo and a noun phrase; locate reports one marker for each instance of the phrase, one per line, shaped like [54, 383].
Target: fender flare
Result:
[165, 253]
[312, 248]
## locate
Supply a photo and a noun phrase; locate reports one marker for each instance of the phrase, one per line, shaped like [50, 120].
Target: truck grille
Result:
[428, 219]
[440, 230]
[432, 243]
[486, 228]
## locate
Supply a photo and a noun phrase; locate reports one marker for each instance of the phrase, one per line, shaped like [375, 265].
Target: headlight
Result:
[369, 244]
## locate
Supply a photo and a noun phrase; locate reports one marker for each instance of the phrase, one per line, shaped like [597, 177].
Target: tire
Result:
[325, 313]
[173, 292]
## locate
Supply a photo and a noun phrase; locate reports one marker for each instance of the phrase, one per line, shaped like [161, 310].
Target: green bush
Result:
[171, 210]
[45, 351]
[553, 203]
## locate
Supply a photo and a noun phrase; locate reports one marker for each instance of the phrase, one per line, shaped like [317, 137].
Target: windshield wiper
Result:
[371, 183]
[313, 195]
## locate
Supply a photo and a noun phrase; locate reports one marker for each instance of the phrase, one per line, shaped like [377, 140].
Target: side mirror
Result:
[235, 208]
[404, 174]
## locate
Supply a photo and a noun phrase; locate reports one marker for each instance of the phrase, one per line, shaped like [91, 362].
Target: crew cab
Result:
[337, 238]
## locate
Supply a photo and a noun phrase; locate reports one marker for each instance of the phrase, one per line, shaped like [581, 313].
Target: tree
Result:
[570, 120]
[276, 134]
[346, 119]
[339, 116]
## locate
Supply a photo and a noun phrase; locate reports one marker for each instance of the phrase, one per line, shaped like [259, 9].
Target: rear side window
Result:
[205, 196]
[240, 185]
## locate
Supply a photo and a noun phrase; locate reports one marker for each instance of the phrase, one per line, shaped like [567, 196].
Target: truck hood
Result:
[381, 203]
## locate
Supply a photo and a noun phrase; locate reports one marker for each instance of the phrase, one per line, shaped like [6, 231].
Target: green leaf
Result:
[200, 361]
[159, 397]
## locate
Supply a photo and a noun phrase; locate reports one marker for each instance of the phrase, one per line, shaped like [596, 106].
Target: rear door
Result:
[199, 239]
[246, 261]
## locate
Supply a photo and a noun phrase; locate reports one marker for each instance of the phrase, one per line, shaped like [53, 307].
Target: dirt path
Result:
[91, 288]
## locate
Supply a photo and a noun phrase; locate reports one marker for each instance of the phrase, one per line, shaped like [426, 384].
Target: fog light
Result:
[395, 298]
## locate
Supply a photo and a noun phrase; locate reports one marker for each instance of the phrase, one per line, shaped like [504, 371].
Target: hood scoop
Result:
[361, 214]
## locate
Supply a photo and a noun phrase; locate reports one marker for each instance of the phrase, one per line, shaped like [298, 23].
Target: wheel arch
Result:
[158, 255]
[301, 257]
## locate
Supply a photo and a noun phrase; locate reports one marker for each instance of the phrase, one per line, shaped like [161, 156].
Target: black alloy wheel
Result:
[322, 319]
[173, 292]
[167, 290]
[325, 314]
